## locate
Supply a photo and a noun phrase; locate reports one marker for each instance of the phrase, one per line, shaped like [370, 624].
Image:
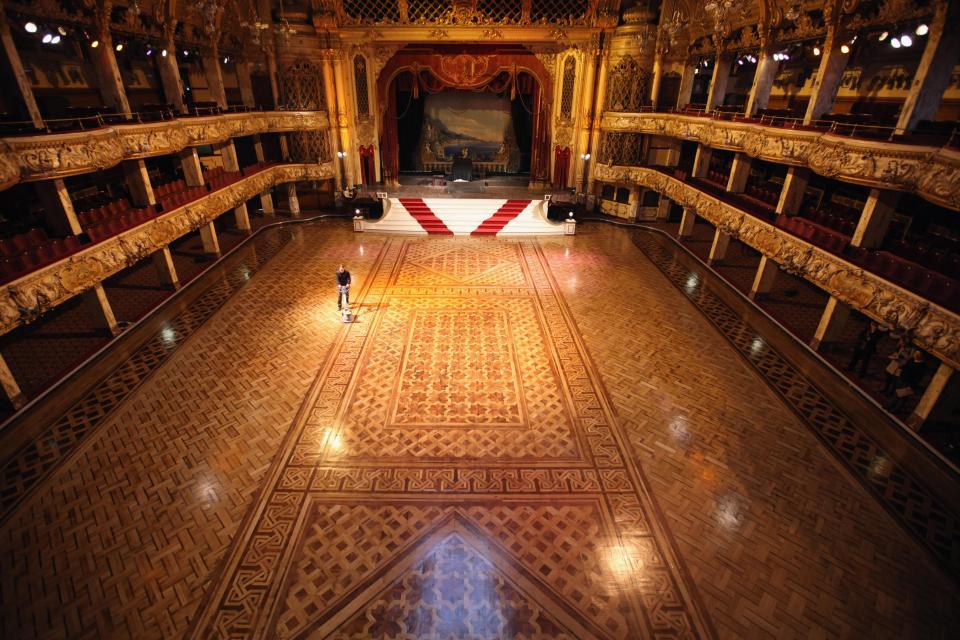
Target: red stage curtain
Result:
[561, 167]
[367, 165]
[389, 144]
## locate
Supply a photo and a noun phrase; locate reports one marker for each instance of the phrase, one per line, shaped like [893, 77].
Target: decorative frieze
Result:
[930, 172]
[934, 328]
[28, 297]
[28, 158]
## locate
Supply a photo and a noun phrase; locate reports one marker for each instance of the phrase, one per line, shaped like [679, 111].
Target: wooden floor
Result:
[514, 439]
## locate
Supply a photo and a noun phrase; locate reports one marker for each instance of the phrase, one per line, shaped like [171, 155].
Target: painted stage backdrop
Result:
[467, 124]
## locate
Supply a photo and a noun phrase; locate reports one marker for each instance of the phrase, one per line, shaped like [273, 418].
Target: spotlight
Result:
[895, 43]
[816, 51]
[844, 48]
[226, 59]
[164, 53]
[61, 31]
[55, 40]
[149, 52]
[923, 30]
[30, 27]
[906, 40]
[47, 37]
[185, 53]
[94, 44]
[786, 56]
[119, 47]
[740, 61]
[883, 36]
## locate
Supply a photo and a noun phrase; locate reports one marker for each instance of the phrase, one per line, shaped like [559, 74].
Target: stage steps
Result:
[463, 216]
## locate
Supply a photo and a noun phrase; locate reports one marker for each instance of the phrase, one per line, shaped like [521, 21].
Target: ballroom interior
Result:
[652, 327]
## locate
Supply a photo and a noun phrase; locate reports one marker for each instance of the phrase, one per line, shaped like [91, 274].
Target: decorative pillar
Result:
[599, 93]
[166, 270]
[718, 84]
[701, 162]
[272, 71]
[933, 74]
[108, 72]
[266, 203]
[246, 84]
[258, 147]
[939, 399]
[284, 147]
[739, 173]
[766, 276]
[763, 79]
[60, 217]
[16, 67]
[794, 186]
[100, 311]
[686, 84]
[170, 75]
[228, 155]
[138, 183]
[242, 216]
[588, 108]
[832, 322]
[718, 250]
[190, 164]
[10, 387]
[686, 223]
[208, 236]
[657, 79]
[214, 75]
[330, 93]
[875, 218]
[663, 208]
[293, 203]
[833, 62]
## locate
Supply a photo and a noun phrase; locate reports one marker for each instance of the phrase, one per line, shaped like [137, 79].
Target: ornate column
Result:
[246, 84]
[589, 110]
[686, 84]
[100, 311]
[833, 63]
[718, 250]
[739, 173]
[242, 217]
[701, 162]
[105, 63]
[272, 71]
[170, 73]
[166, 270]
[686, 223]
[933, 74]
[875, 218]
[190, 164]
[330, 94]
[214, 75]
[16, 67]
[794, 186]
[228, 155]
[601, 92]
[940, 397]
[718, 84]
[764, 279]
[138, 183]
[663, 208]
[763, 79]
[657, 79]
[344, 89]
[60, 216]
[10, 387]
[208, 236]
[832, 322]
[293, 203]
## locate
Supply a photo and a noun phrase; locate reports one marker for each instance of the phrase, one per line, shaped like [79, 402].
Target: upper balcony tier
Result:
[931, 171]
[56, 155]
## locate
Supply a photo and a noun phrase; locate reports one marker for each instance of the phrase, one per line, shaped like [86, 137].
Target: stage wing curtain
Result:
[561, 167]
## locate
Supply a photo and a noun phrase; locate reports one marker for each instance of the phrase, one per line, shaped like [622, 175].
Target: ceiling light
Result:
[883, 36]
[55, 40]
[164, 53]
[119, 47]
[149, 52]
[895, 43]
[226, 59]
[61, 31]
[47, 37]
[94, 44]
[906, 40]
[923, 30]
[30, 27]
[816, 51]
[740, 61]
[844, 48]
[186, 53]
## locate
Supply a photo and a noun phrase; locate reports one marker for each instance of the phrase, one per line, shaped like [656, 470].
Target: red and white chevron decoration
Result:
[464, 216]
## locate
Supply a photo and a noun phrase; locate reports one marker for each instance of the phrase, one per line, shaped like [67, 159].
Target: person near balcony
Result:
[909, 381]
[865, 347]
[343, 287]
[898, 358]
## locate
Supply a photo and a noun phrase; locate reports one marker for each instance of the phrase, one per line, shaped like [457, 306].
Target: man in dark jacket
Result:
[865, 348]
[343, 287]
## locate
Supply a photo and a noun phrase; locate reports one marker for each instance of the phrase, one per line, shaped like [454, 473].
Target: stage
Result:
[496, 188]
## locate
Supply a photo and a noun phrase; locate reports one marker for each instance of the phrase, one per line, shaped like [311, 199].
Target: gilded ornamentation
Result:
[933, 327]
[26, 298]
[28, 158]
[930, 172]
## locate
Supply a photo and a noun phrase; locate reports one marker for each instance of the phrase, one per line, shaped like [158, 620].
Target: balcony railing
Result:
[932, 172]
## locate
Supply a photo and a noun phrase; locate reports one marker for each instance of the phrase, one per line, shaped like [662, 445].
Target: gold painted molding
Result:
[27, 298]
[930, 172]
[933, 327]
[56, 155]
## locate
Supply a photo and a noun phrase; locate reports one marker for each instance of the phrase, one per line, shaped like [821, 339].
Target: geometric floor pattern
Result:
[513, 439]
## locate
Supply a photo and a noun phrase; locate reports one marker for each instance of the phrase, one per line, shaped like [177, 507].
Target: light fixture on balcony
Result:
[119, 46]
[906, 40]
[723, 12]
[61, 31]
[922, 29]
[94, 44]
[895, 43]
[47, 37]
[164, 53]
[30, 27]
[883, 36]
[55, 40]
[845, 48]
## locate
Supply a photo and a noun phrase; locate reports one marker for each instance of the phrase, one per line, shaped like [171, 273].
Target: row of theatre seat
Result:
[29, 251]
[763, 193]
[177, 193]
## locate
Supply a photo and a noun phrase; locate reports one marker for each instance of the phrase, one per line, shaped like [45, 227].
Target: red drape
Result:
[389, 143]
[367, 165]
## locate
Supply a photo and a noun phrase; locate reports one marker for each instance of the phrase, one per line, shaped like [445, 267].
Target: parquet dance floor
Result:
[513, 439]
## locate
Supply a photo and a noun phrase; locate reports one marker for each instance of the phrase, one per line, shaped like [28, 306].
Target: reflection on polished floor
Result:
[514, 439]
